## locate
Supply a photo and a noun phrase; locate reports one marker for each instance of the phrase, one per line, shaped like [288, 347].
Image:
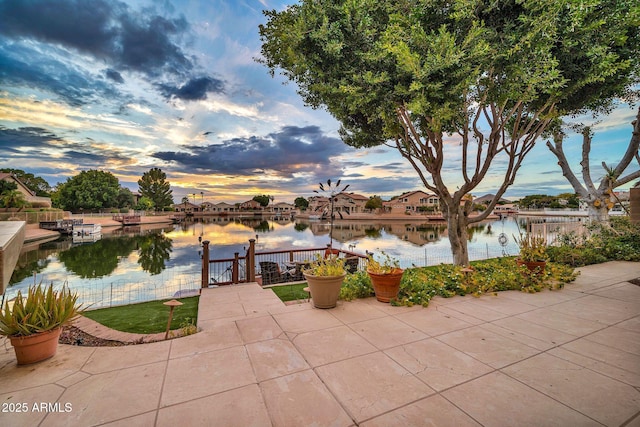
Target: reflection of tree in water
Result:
[473, 229]
[28, 267]
[36, 260]
[373, 232]
[101, 258]
[97, 259]
[154, 249]
[300, 226]
[263, 226]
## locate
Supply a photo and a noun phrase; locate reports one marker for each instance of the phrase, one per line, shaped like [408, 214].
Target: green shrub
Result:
[356, 285]
[619, 242]
[419, 285]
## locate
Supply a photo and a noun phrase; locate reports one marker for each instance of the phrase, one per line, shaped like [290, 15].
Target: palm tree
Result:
[185, 200]
[13, 199]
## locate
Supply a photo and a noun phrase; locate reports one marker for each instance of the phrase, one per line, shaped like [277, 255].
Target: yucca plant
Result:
[43, 309]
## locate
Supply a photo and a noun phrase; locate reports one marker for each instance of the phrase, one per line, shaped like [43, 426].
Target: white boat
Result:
[86, 233]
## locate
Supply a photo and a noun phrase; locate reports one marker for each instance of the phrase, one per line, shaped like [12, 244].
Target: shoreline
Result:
[35, 234]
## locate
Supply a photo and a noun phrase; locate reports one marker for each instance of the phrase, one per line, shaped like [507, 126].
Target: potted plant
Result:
[33, 324]
[385, 277]
[325, 277]
[533, 252]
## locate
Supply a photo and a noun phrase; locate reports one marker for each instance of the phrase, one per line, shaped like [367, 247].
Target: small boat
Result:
[86, 233]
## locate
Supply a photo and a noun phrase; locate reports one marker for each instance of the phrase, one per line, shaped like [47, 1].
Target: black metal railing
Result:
[242, 269]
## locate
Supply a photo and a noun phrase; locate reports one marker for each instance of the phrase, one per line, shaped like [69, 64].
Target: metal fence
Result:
[107, 293]
[32, 217]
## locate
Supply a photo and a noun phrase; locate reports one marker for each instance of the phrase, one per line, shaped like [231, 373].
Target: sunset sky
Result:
[127, 86]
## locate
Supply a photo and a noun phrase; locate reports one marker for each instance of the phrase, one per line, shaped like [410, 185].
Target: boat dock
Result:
[64, 226]
[128, 219]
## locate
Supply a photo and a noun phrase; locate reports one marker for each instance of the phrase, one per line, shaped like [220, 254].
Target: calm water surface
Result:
[134, 264]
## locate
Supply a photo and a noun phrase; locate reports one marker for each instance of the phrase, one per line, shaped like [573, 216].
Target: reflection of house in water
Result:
[346, 231]
[418, 234]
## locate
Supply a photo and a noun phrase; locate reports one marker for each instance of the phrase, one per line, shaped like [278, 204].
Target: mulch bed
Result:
[74, 336]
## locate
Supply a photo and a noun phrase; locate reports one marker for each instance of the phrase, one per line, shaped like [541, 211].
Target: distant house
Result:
[223, 207]
[186, 207]
[207, 207]
[30, 196]
[136, 197]
[344, 202]
[250, 205]
[282, 207]
[506, 208]
[413, 201]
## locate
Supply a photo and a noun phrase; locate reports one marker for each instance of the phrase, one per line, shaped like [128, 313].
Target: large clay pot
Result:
[386, 285]
[324, 290]
[37, 347]
[533, 266]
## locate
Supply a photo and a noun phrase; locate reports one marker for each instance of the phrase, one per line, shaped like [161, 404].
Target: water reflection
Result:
[98, 259]
[150, 260]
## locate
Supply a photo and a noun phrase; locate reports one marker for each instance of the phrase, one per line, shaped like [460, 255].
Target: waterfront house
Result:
[186, 207]
[207, 207]
[282, 207]
[29, 196]
[413, 201]
[250, 205]
[349, 203]
[223, 207]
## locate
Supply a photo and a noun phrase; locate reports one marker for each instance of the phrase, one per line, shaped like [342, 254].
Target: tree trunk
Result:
[598, 214]
[458, 235]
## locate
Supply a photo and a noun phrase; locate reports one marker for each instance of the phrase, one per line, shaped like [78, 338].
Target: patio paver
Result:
[555, 358]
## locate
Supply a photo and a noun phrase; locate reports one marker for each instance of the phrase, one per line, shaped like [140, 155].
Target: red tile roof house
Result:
[412, 202]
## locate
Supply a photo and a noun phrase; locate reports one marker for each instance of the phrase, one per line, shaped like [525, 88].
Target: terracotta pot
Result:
[325, 290]
[37, 347]
[386, 286]
[533, 266]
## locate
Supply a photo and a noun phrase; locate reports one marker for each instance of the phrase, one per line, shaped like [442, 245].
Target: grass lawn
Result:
[147, 317]
[291, 292]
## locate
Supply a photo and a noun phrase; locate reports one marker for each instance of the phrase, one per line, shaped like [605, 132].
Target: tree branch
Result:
[558, 151]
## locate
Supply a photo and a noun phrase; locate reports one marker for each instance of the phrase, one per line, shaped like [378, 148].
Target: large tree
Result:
[263, 200]
[90, 190]
[154, 186]
[458, 85]
[598, 196]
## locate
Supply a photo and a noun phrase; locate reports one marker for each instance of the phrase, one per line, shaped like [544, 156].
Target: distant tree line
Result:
[90, 191]
[542, 201]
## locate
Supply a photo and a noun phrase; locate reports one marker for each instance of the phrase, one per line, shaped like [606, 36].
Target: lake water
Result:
[134, 264]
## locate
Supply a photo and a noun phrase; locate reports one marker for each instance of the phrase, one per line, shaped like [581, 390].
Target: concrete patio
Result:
[556, 358]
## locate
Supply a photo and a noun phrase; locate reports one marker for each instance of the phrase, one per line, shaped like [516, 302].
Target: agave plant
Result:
[43, 309]
[330, 192]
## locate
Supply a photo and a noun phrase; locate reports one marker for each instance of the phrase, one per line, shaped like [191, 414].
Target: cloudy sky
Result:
[125, 86]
